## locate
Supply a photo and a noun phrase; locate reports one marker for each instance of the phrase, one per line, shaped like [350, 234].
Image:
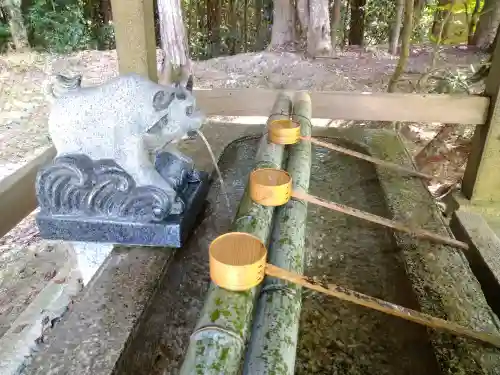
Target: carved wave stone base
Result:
[83, 200]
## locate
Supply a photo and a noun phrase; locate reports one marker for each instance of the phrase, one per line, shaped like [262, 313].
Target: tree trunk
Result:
[176, 63]
[259, 44]
[268, 21]
[447, 27]
[213, 23]
[105, 16]
[487, 25]
[3, 16]
[200, 17]
[16, 24]
[472, 19]
[345, 36]
[336, 18]
[302, 9]
[314, 18]
[491, 47]
[396, 27]
[419, 6]
[357, 24]
[233, 27]
[105, 10]
[245, 26]
[189, 22]
[283, 31]
[405, 45]
[318, 29]
[441, 18]
[436, 23]
[263, 12]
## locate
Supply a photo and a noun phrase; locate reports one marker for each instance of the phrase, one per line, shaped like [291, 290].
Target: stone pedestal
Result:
[82, 200]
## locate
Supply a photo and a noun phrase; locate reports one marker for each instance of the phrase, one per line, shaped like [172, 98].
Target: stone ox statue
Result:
[105, 174]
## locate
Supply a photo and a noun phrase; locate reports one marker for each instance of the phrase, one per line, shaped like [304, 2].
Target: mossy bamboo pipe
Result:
[217, 344]
[276, 321]
[238, 263]
[287, 132]
[273, 187]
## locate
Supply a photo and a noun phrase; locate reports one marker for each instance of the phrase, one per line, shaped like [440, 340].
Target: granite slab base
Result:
[171, 232]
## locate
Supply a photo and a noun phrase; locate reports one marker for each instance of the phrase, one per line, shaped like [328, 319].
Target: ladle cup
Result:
[287, 132]
[273, 187]
[238, 263]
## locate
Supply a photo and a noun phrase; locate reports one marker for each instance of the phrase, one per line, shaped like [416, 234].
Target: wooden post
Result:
[481, 181]
[133, 22]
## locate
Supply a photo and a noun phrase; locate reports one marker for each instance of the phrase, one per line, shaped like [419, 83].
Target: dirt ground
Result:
[24, 110]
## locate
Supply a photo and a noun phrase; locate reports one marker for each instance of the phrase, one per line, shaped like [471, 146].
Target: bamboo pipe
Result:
[238, 263]
[273, 187]
[288, 132]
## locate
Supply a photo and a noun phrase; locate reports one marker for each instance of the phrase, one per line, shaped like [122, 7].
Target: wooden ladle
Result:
[286, 132]
[273, 187]
[238, 263]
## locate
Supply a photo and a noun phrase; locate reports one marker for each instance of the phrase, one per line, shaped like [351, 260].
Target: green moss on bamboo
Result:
[274, 353]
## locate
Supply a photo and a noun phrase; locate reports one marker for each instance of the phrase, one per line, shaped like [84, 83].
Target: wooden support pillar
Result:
[481, 181]
[133, 22]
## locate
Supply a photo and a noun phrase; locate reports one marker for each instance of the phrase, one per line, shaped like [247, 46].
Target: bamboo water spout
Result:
[238, 263]
[273, 187]
[218, 342]
[287, 132]
[275, 326]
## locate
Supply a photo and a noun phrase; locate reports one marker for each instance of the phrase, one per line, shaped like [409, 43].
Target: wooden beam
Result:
[17, 192]
[451, 109]
[481, 180]
[133, 22]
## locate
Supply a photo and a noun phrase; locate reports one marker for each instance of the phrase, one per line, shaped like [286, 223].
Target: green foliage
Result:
[379, 18]
[422, 27]
[450, 81]
[105, 37]
[198, 45]
[379, 15]
[59, 26]
[344, 20]
[63, 26]
[460, 6]
[5, 37]
[457, 30]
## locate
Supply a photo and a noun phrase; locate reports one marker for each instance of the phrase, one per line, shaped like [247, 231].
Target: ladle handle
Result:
[371, 159]
[417, 232]
[381, 305]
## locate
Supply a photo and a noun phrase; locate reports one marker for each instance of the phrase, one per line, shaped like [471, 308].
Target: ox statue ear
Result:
[189, 84]
[162, 100]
